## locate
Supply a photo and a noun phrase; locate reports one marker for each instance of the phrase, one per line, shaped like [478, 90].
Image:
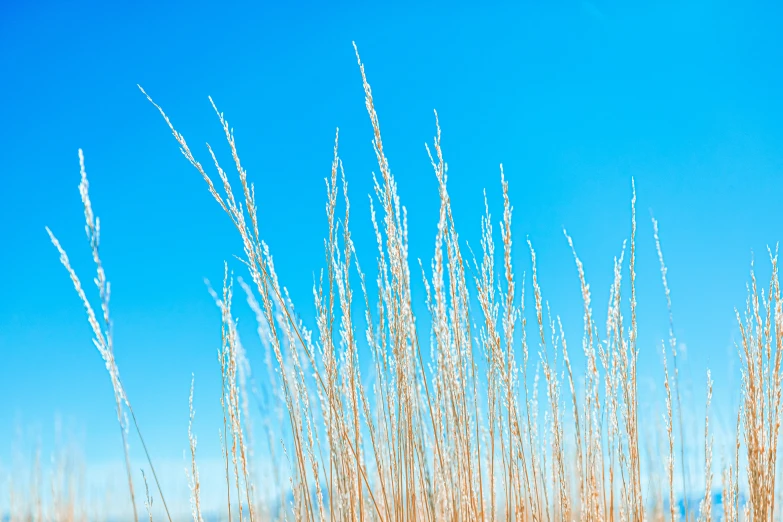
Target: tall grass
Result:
[474, 421]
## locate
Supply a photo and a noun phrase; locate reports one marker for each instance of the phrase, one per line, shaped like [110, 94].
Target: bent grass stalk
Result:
[103, 340]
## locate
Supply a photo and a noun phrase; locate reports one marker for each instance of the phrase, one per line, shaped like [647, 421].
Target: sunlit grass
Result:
[475, 421]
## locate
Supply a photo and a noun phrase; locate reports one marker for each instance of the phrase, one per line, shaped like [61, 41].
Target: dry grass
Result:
[459, 431]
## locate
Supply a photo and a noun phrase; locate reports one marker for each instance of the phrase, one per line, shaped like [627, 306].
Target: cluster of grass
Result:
[473, 426]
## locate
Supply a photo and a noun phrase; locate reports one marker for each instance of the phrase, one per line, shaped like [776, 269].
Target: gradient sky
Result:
[574, 98]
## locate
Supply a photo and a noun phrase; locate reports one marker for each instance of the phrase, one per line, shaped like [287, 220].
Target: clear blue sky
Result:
[574, 98]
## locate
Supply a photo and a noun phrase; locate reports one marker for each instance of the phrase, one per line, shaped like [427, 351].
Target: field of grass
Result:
[463, 416]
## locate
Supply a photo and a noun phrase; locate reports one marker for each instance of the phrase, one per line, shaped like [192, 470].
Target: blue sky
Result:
[574, 98]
